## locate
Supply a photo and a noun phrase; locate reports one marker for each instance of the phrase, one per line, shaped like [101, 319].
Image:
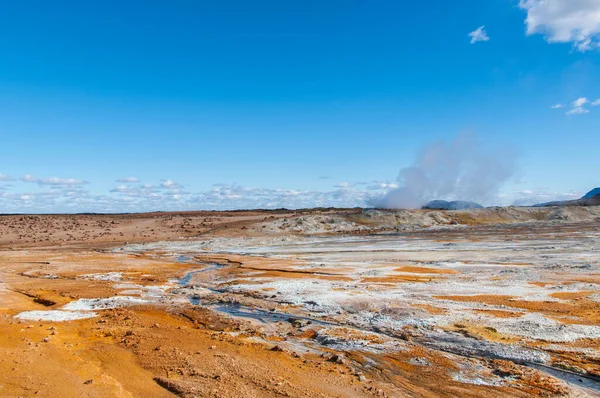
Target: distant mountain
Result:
[591, 198]
[454, 205]
[592, 193]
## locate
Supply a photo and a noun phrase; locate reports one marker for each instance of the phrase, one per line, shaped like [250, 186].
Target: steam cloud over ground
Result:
[464, 169]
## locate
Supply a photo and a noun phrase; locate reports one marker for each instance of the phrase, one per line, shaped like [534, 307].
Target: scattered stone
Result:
[339, 358]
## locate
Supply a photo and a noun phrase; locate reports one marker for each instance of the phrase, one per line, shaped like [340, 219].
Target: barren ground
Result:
[308, 303]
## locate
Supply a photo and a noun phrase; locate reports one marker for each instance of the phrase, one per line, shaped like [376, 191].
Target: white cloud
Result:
[578, 107]
[565, 21]
[344, 185]
[239, 197]
[529, 197]
[53, 181]
[128, 180]
[479, 34]
[121, 189]
[168, 184]
[60, 181]
[579, 102]
[577, 111]
[5, 177]
[138, 197]
[28, 178]
[377, 185]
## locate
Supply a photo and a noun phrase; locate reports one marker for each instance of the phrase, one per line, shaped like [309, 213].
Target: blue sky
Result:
[236, 104]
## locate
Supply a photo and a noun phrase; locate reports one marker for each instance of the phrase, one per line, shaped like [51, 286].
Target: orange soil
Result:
[142, 351]
[190, 351]
[482, 332]
[431, 309]
[585, 312]
[572, 295]
[398, 279]
[500, 313]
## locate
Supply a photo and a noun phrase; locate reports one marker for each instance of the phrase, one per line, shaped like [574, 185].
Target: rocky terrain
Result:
[321, 302]
[107, 230]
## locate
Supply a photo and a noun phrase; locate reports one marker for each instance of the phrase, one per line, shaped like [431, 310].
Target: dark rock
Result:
[339, 358]
[44, 302]
[299, 323]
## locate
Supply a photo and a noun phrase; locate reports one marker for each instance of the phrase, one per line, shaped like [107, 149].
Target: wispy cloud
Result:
[128, 179]
[5, 177]
[565, 21]
[377, 185]
[139, 197]
[169, 184]
[29, 178]
[579, 102]
[62, 195]
[528, 197]
[53, 181]
[479, 34]
[577, 111]
[235, 196]
[578, 107]
[60, 181]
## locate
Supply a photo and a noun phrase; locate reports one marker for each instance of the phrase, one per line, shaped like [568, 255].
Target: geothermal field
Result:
[328, 302]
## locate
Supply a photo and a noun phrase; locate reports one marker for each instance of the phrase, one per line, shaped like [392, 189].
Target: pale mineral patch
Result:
[54, 315]
[103, 303]
[110, 276]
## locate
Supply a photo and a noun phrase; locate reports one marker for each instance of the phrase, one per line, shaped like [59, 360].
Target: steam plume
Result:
[463, 169]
